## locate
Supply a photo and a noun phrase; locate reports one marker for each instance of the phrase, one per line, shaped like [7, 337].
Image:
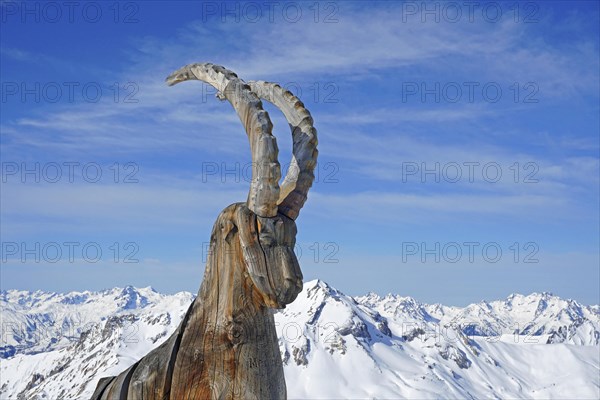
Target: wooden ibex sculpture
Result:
[226, 346]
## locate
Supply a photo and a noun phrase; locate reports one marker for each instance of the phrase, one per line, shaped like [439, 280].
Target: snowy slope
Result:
[333, 345]
[38, 321]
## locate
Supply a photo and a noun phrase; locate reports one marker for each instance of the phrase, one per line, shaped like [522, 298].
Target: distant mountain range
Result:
[58, 345]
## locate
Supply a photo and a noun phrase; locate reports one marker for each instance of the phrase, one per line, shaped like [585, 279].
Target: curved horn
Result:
[300, 175]
[264, 188]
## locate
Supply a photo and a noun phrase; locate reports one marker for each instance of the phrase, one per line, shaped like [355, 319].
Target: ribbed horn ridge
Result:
[264, 188]
[300, 175]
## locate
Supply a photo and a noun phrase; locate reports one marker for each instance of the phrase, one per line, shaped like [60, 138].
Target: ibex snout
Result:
[277, 237]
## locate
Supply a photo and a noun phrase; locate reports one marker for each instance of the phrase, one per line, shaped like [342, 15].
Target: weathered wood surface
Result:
[300, 174]
[226, 346]
[264, 187]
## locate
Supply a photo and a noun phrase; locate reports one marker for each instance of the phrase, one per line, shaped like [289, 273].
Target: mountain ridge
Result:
[58, 345]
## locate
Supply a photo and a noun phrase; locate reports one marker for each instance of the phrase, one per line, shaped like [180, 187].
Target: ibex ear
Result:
[253, 254]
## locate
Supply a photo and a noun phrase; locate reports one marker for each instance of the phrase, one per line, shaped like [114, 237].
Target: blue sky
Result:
[505, 95]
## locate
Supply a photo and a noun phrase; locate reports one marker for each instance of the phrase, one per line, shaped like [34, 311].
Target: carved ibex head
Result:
[265, 224]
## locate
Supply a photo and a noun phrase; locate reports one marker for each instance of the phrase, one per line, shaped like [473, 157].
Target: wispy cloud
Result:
[292, 51]
[393, 208]
[113, 208]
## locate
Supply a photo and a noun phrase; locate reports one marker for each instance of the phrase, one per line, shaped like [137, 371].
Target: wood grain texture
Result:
[226, 346]
[300, 174]
[266, 172]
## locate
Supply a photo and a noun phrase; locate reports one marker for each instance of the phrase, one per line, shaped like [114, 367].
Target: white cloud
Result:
[363, 47]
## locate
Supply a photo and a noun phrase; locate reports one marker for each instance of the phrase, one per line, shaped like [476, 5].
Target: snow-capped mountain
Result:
[540, 318]
[34, 322]
[333, 345]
